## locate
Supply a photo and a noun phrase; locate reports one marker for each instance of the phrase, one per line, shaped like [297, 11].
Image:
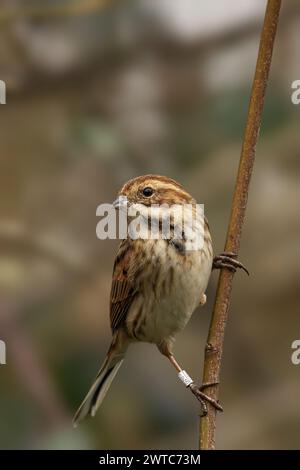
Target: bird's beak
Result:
[120, 203]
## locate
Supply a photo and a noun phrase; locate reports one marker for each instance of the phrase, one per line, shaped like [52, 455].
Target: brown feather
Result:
[122, 289]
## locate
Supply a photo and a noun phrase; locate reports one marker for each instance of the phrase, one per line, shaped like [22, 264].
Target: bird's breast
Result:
[170, 289]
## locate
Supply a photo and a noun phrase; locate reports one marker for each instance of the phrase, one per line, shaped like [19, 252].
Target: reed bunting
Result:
[156, 283]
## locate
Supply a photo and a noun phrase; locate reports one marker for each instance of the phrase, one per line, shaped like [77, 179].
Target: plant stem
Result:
[215, 340]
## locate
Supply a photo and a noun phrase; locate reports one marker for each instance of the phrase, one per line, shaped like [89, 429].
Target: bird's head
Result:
[153, 189]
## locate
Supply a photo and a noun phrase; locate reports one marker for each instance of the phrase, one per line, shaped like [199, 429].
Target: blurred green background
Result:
[94, 99]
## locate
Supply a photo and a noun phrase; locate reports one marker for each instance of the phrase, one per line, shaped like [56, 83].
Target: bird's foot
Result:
[203, 398]
[228, 260]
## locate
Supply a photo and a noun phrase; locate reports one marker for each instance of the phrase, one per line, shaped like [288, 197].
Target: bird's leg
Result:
[228, 260]
[189, 383]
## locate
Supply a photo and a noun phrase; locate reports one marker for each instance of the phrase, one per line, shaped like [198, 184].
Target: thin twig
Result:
[214, 346]
[78, 8]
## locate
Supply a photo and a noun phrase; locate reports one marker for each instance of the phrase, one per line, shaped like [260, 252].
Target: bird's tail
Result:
[105, 376]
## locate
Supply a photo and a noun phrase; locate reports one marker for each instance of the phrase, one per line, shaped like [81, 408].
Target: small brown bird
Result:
[156, 284]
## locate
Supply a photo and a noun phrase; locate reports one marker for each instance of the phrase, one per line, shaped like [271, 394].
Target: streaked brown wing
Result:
[123, 288]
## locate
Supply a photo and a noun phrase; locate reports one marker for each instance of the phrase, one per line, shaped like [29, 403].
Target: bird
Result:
[157, 283]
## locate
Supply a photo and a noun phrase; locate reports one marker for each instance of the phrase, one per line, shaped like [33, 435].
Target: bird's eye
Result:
[147, 192]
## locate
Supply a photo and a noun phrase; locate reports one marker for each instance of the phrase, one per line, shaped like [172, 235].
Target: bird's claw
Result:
[228, 260]
[203, 398]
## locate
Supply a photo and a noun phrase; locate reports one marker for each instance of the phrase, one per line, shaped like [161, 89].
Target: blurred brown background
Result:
[94, 99]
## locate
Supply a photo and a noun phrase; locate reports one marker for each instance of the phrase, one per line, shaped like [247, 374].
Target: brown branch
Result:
[214, 347]
[81, 7]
